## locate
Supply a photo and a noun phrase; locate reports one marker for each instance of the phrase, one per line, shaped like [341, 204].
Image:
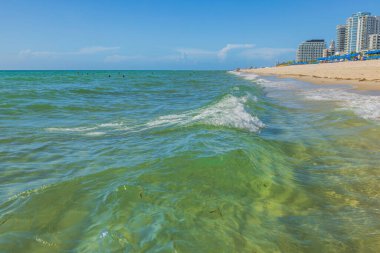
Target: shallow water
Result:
[185, 161]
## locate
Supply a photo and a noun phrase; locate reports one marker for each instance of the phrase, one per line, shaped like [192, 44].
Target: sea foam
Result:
[277, 84]
[228, 112]
[89, 131]
[365, 106]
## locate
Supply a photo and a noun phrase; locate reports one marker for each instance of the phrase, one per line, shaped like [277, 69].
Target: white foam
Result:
[245, 75]
[365, 106]
[228, 112]
[90, 131]
[95, 133]
[264, 82]
[283, 85]
[115, 125]
[250, 77]
[234, 72]
[249, 96]
[68, 129]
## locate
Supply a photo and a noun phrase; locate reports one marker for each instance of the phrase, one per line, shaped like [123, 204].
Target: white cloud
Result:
[82, 51]
[117, 58]
[225, 50]
[180, 55]
[266, 53]
[31, 53]
[249, 51]
[121, 58]
[186, 53]
[201, 53]
[95, 50]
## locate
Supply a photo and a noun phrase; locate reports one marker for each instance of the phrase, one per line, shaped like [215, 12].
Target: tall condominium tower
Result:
[377, 25]
[352, 31]
[367, 25]
[374, 42]
[310, 50]
[359, 27]
[340, 38]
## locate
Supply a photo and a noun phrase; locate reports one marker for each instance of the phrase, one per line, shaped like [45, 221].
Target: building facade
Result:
[374, 42]
[340, 38]
[377, 29]
[329, 51]
[359, 27]
[367, 25]
[352, 31]
[310, 50]
[325, 53]
[332, 49]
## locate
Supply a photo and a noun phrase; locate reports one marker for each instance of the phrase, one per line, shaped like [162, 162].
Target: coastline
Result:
[361, 75]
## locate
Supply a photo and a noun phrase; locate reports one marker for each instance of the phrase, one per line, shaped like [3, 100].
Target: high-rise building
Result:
[352, 31]
[367, 25]
[374, 41]
[340, 38]
[377, 25]
[359, 27]
[310, 50]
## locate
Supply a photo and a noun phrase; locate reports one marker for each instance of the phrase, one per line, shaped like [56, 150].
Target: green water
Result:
[185, 161]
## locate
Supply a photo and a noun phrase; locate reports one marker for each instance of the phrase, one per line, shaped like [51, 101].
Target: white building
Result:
[374, 42]
[358, 29]
[332, 48]
[352, 31]
[340, 38]
[325, 53]
[377, 25]
[310, 50]
[329, 51]
[367, 25]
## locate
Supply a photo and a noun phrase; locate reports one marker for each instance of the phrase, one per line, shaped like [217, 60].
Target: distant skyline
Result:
[164, 34]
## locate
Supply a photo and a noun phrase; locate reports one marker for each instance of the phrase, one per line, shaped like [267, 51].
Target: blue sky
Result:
[164, 34]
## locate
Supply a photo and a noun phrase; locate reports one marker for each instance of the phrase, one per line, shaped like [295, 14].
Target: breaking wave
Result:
[228, 112]
[365, 106]
[96, 130]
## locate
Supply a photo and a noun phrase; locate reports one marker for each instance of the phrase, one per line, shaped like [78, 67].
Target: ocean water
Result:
[186, 161]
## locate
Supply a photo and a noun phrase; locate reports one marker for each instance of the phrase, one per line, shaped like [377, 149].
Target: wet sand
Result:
[362, 75]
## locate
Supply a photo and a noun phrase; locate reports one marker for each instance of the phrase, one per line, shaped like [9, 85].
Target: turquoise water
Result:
[186, 161]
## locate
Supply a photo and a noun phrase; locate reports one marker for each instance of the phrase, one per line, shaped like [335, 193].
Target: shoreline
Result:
[361, 75]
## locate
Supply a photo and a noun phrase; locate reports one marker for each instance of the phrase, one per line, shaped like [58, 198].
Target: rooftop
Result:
[315, 41]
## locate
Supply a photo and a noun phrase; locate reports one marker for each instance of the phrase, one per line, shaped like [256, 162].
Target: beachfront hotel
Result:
[310, 50]
[360, 34]
[352, 31]
[340, 38]
[359, 27]
[367, 25]
[374, 42]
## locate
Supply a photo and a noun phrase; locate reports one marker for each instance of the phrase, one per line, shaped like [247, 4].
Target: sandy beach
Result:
[362, 75]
